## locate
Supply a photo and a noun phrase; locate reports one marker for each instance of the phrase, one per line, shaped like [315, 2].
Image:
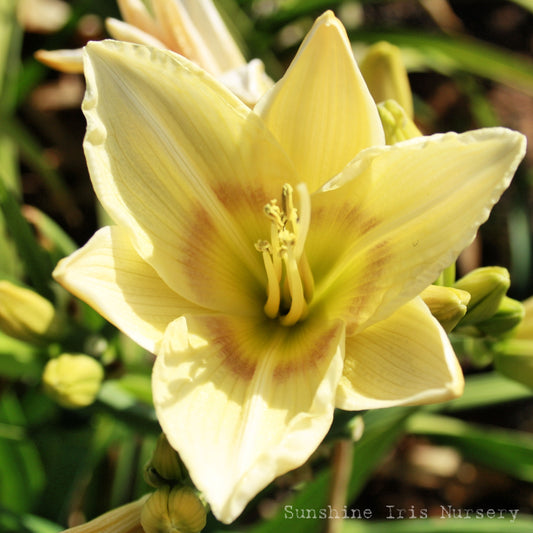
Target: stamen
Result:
[273, 293]
[298, 304]
[290, 282]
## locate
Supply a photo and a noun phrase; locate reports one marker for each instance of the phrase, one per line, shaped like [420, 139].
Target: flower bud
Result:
[386, 76]
[176, 510]
[507, 317]
[447, 305]
[26, 315]
[165, 467]
[396, 124]
[73, 380]
[525, 329]
[514, 359]
[487, 286]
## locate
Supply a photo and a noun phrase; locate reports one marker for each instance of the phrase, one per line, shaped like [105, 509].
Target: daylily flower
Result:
[192, 28]
[272, 258]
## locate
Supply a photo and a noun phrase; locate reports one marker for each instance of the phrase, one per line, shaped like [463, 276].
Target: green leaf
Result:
[522, 524]
[22, 473]
[19, 360]
[526, 4]
[485, 389]
[37, 263]
[504, 450]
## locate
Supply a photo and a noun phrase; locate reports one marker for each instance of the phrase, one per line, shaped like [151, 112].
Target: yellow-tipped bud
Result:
[73, 380]
[487, 286]
[385, 74]
[26, 315]
[514, 359]
[165, 467]
[176, 510]
[447, 304]
[396, 124]
[507, 317]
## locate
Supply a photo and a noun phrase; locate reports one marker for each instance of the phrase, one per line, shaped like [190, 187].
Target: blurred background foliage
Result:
[470, 65]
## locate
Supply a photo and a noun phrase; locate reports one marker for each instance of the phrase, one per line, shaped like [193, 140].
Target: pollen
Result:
[289, 279]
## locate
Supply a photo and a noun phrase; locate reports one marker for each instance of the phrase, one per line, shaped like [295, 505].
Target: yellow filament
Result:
[298, 304]
[273, 299]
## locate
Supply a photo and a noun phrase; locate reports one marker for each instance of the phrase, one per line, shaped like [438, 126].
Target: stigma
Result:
[290, 283]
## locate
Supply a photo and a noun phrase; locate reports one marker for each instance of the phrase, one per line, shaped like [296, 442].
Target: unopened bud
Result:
[507, 317]
[396, 124]
[514, 359]
[26, 315]
[385, 75]
[165, 467]
[447, 304]
[525, 328]
[176, 510]
[73, 380]
[487, 286]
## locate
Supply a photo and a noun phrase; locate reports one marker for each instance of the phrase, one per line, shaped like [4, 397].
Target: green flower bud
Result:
[447, 305]
[525, 328]
[386, 76]
[396, 124]
[514, 359]
[165, 467]
[26, 315]
[507, 317]
[73, 380]
[487, 286]
[176, 510]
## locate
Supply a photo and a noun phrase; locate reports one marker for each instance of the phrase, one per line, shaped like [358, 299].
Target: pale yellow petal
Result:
[397, 216]
[136, 13]
[245, 401]
[70, 61]
[249, 82]
[110, 276]
[124, 519]
[223, 49]
[196, 30]
[183, 163]
[406, 359]
[321, 110]
[122, 31]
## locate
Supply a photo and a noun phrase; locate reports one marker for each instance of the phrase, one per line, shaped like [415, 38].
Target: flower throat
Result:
[289, 279]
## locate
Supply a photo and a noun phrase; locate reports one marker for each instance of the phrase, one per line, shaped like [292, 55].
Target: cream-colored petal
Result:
[244, 401]
[398, 215]
[214, 34]
[110, 276]
[183, 163]
[321, 110]
[122, 31]
[124, 519]
[196, 30]
[136, 13]
[70, 61]
[249, 82]
[406, 359]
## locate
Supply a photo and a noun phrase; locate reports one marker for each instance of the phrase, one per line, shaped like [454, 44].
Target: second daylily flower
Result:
[272, 258]
[192, 28]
